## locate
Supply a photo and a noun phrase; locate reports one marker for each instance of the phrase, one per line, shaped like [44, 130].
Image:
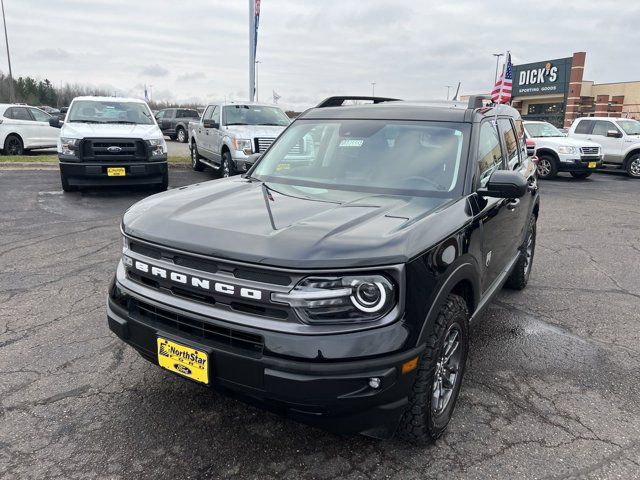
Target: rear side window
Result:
[584, 127]
[602, 127]
[18, 113]
[489, 153]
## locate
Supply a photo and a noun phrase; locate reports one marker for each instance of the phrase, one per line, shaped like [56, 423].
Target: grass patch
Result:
[54, 159]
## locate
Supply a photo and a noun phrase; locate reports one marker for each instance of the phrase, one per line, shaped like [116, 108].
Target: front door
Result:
[47, 135]
[611, 146]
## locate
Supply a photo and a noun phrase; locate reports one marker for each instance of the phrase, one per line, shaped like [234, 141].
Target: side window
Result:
[8, 113]
[489, 153]
[602, 126]
[216, 115]
[21, 113]
[584, 127]
[509, 141]
[208, 113]
[168, 114]
[39, 115]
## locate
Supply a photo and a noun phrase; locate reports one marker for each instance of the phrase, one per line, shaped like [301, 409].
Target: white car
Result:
[111, 141]
[24, 128]
[619, 137]
[558, 153]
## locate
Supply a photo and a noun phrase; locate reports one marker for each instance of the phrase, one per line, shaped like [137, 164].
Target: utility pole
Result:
[448, 88]
[252, 51]
[373, 89]
[497, 55]
[6, 38]
[257, 78]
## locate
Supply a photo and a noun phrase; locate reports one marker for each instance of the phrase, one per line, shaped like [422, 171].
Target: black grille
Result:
[113, 150]
[173, 322]
[262, 144]
[590, 150]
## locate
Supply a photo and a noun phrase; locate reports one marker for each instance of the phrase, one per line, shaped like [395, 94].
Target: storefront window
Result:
[545, 108]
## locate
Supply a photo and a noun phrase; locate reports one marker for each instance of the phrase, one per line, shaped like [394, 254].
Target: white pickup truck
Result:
[229, 134]
[558, 153]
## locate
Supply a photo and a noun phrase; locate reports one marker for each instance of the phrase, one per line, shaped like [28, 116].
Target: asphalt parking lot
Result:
[551, 391]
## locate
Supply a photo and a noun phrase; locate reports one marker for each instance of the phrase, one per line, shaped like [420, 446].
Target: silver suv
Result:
[618, 137]
[229, 134]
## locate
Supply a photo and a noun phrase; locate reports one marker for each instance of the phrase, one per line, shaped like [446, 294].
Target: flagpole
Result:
[252, 39]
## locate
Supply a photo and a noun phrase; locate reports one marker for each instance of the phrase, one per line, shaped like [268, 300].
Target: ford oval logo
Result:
[114, 149]
[182, 368]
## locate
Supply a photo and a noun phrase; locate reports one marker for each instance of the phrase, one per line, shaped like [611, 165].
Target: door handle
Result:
[513, 203]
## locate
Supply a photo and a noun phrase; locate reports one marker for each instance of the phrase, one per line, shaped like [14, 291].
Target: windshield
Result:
[376, 156]
[540, 130]
[630, 127]
[254, 115]
[95, 111]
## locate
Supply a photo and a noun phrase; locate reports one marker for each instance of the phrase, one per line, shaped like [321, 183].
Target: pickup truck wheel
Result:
[196, 164]
[181, 135]
[439, 376]
[633, 166]
[65, 184]
[13, 145]
[226, 168]
[581, 174]
[547, 167]
[520, 275]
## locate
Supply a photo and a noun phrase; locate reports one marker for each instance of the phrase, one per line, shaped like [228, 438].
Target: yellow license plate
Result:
[116, 172]
[592, 164]
[183, 360]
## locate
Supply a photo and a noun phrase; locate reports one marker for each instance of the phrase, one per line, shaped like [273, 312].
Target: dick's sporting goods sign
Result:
[542, 78]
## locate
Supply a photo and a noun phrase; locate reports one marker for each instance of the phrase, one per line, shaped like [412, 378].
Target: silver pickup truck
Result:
[228, 134]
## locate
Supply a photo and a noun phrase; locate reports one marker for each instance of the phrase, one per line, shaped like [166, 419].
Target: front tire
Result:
[13, 145]
[547, 167]
[439, 376]
[181, 135]
[196, 164]
[581, 174]
[633, 166]
[227, 168]
[522, 270]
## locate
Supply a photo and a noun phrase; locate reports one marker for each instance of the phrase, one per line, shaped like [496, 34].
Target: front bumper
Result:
[95, 174]
[334, 395]
[577, 163]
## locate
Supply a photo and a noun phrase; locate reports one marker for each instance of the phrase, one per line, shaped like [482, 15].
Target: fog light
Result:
[374, 382]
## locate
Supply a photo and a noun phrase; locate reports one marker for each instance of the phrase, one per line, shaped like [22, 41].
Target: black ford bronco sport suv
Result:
[338, 289]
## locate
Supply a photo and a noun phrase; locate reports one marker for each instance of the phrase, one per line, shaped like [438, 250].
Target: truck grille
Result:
[166, 320]
[590, 150]
[262, 144]
[99, 150]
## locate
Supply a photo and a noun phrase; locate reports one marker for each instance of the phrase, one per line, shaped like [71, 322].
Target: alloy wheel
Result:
[634, 167]
[226, 171]
[447, 370]
[544, 167]
[181, 136]
[528, 253]
[13, 146]
[194, 157]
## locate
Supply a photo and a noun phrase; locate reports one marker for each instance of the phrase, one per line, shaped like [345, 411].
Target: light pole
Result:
[497, 55]
[6, 38]
[257, 62]
[373, 89]
[448, 87]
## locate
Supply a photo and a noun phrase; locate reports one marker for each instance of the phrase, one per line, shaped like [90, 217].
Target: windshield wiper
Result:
[84, 121]
[237, 124]
[126, 122]
[273, 124]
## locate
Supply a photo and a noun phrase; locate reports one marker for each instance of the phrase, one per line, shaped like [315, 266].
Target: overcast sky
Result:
[197, 50]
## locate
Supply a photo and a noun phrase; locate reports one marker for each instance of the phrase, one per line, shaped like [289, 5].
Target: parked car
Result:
[63, 113]
[110, 141]
[557, 153]
[174, 122]
[619, 138]
[24, 128]
[228, 134]
[338, 290]
[49, 110]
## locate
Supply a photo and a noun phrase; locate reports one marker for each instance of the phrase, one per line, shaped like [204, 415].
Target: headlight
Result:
[244, 145]
[334, 300]
[567, 149]
[157, 146]
[69, 145]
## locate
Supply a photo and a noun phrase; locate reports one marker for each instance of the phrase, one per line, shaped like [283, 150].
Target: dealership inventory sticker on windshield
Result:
[183, 360]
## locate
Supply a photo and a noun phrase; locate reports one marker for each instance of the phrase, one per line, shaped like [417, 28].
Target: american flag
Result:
[501, 93]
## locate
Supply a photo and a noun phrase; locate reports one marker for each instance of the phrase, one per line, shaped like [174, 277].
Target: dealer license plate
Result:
[592, 164]
[183, 360]
[116, 172]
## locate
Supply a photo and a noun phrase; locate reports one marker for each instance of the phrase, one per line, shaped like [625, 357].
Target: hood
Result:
[293, 227]
[112, 130]
[253, 131]
[559, 141]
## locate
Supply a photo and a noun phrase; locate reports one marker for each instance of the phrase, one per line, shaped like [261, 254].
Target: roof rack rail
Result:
[477, 101]
[339, 101]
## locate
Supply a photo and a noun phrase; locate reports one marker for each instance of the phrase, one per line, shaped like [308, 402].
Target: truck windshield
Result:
[376, 156]
[254, 115]
[541, 130]
[97, 111]
[630, 127]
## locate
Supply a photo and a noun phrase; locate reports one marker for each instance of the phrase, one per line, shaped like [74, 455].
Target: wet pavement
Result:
[551, 390]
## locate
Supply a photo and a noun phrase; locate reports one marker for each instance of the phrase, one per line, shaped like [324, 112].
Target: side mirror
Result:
[614, 134]
[55, 122]
[505, 184]
[210, 124]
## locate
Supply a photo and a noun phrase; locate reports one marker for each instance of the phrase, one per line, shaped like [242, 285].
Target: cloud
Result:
[154, 71]
[188, 77]
[50, 54]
